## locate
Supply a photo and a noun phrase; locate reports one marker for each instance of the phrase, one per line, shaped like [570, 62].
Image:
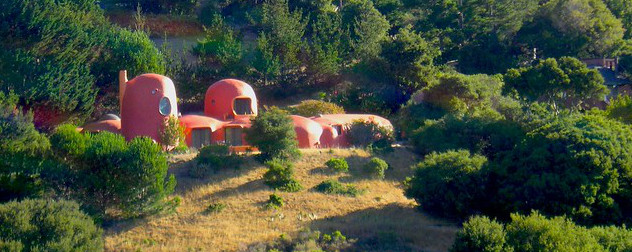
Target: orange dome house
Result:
[228, 99]
[308, 132]
[341, 123]
[146, 102]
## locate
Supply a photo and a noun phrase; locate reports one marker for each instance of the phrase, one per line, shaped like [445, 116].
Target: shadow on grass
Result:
[186, 183]
[393, 227]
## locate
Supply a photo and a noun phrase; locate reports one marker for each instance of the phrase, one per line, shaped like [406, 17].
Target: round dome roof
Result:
[219, 101]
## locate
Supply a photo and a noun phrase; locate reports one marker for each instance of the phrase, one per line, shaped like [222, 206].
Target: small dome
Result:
[109, 117]
[230, 98]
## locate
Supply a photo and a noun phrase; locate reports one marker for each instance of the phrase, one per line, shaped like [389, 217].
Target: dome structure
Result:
[229, 99]
[308, 132]
[146, 102]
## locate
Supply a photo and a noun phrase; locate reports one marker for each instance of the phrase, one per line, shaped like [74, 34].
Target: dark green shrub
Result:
[46, 225]
[213, 158]
[337, 164]
[272, 132]
[538, 233]
[376, 167]
[481, 234]
[17, 133]
[308, 240]
[620, 108]
[280, 176]
[334, 187]
[363, 133]
[68, 142]
[309, 108]
[574, 165]
[114, 174]
[216, 207]
[275, 201]
[448, 183]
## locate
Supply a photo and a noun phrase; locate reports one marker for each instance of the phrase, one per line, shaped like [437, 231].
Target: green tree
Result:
[272, 132]
[110, 173]
[220, 44]
[579, 28]
[47, 225]
[367, 28]
[565, 82]
[622, 9]
[574, 165]
[481, 234]
[620, 108]
[449, 183]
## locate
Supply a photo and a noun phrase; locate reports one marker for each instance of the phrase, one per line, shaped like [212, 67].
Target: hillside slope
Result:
[380, 218]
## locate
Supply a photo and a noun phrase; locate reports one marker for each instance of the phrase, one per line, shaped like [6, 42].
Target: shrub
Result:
[538, 233]
[575, 165]
[275, 201]
[308, 240]
[481, 234]
[335, 187]
[17, 132]
[363, 133]
[448, 183]
[172, 133]
[272, 132]
[216, 207]
[309, 108]
[68, 142]
[337, 164]
[213, 158]
[376, 167]
[46, 225]
[620, 109]
[279, 176]
[114, 174]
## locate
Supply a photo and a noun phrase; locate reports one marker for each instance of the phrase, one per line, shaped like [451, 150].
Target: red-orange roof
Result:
[199, 121]
[345, 119]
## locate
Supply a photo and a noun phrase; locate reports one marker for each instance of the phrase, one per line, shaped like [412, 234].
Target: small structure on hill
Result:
[149, 99]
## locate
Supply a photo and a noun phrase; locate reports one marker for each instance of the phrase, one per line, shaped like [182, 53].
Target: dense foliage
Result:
[280, 175]
[60, 53]
[538, 233]
[376, 167]
[309, 108]
[448, 183]
[334, 187]
[272, 132]
[47, 225]
[213, 158]
[337, 164]
[105, 172]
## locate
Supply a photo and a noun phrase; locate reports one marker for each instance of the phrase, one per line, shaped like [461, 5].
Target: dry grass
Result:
[381, 214]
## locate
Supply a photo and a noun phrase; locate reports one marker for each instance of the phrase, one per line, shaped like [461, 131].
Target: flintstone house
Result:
[149, 99]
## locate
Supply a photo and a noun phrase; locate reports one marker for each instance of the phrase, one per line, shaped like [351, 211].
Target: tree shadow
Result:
[186, 183]
[392, 227]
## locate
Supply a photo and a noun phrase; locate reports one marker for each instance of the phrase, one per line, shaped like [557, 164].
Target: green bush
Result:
[68, 142]
[575, 165]
[308, 240]
[376, 167]
[620, 108]
[448, 183]
[334, 187]
[272, 132]
[176, 7]
[111, 173]
[363, 133]
[213, 158]
[46, 225]
[337, 164]
[481, 234]
[280, 176]
[538, 233]
[275, 201]
[216, 207]
[309, 108]
[17, 133]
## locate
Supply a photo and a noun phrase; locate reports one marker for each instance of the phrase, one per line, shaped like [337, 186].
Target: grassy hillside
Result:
[381, 217]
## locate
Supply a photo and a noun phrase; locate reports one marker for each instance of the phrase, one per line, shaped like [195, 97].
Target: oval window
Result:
[164, 106]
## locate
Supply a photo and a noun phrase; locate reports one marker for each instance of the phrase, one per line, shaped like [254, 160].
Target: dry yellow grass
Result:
[381, 212]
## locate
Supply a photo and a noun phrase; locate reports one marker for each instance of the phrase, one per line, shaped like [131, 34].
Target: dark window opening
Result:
[242, 106]
[233, 136]
[200, 138]
[338, 129]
